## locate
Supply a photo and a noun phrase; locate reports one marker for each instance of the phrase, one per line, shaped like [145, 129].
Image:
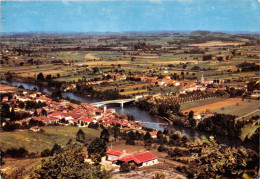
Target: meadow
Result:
[38, 141]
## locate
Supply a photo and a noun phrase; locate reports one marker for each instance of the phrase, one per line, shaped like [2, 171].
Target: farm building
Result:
[35, 129]
[5, 99]
[139, 159]
[256, 94]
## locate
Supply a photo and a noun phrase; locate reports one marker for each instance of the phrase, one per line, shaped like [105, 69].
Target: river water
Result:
[140, 115]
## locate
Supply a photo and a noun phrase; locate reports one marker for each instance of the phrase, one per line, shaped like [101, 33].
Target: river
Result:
[140, 115]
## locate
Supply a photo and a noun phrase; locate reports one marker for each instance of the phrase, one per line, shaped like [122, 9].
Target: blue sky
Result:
[118, 16]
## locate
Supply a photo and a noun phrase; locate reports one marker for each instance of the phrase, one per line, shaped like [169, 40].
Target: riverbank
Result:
[144, 116]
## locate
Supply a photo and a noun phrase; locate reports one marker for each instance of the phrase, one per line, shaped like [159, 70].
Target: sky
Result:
[130, 15]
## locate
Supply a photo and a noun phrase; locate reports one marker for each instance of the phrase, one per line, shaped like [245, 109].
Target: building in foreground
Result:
[139, 159]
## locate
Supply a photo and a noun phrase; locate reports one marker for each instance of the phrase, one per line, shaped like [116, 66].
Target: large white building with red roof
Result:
[140, 159]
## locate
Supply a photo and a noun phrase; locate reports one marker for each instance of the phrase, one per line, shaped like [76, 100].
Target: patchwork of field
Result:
[103, 63]
[74, 63]
[216, 43]
[214, 106]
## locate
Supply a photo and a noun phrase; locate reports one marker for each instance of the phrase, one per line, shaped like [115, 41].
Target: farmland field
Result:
[243, 108]
[38, 141]
[186, 106]
[214, 106]
[216, 43]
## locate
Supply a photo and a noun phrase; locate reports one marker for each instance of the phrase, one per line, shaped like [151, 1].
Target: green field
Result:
[38, 141]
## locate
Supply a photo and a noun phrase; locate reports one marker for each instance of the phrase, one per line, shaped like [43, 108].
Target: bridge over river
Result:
[141, 122]
[118, 101]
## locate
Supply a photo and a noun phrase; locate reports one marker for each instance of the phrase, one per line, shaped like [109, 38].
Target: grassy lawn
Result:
[38, 141]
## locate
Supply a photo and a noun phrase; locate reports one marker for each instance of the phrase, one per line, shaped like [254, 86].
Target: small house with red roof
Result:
[5, 99]
[35, 129]
[153, 134]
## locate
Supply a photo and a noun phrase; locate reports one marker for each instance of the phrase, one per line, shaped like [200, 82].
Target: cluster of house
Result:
[186, 86]
[139, 159]
[66, 113]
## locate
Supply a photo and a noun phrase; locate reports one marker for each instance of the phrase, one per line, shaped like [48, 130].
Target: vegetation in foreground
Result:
[69, 163]
[196, 158]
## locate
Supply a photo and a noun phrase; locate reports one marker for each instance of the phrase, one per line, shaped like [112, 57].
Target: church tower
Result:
[202, 79]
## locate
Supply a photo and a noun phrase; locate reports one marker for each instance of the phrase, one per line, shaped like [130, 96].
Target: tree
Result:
[147, 136]
[191, 114]
[1, 157]
[21, 104]
[40, 77]
[16, 153]
[8, 76]
[97, 147]
[95, 70]
[5, 110]
[138, 135]
[131, 135]
[21, 86]
[69, 142]
[12, 115]
[69, 163]
[44, 112]
[35, 113]
[48, 77]
[55, 149]
[166, 131]
[46, 153]
[159, 135]
[80, 136]
[105, 135]
[192, 122]
[116, 131]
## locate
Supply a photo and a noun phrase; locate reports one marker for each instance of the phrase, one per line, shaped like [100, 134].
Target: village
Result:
[63, 112]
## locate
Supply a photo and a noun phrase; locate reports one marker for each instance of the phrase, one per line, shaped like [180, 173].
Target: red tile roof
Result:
[56, 114]
[36, 127]
[139, 157]
[154, 133]
[114, 152]
[86, 119]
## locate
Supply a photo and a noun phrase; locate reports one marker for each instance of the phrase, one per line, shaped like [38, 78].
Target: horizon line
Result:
[149, 31]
